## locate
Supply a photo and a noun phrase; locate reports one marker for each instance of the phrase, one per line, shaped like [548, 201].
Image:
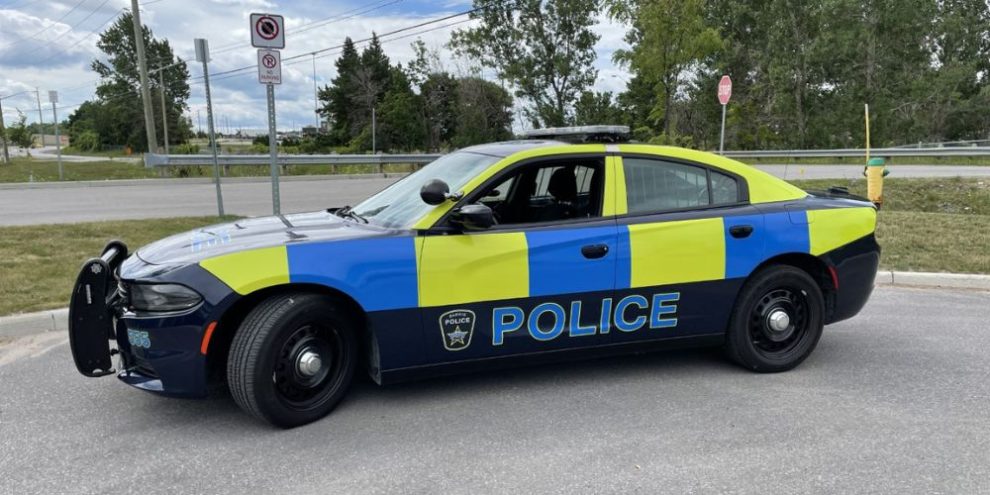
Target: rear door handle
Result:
[741, 231]
[594, 251]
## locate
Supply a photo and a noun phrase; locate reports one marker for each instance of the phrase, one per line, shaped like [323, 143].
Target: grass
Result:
[30, 170]
[861, 160]
[931, 225]
[39, 263]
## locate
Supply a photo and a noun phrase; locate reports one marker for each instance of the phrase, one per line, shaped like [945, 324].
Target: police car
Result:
[571, 243]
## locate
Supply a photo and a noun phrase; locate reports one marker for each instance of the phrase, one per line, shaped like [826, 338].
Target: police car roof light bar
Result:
[582, 134]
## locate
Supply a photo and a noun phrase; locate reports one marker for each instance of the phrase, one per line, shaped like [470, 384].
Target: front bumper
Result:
[159, 353]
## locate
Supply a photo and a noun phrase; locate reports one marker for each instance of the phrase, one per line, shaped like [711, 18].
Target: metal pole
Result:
[721, 141]
[213, 138]
[374, 132]
[149, 120]
[161, 90]
[3, 135]
[58, 143]
[41, 117]
[867, 132]
[273, 149]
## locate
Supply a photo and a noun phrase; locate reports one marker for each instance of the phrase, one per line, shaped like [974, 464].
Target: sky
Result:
[50, 45]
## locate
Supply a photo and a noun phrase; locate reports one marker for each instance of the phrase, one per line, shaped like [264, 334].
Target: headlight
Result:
[163, 297]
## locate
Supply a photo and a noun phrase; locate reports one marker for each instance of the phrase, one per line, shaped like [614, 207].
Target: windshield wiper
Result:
[348, 212]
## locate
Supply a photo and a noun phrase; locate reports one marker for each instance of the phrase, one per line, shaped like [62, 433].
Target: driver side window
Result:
[547, 192]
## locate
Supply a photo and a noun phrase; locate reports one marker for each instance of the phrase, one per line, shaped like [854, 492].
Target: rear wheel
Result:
[777, 320]
[292, 359]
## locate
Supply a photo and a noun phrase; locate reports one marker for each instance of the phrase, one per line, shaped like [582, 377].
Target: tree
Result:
[594, 108]
[18, 132]
[483, 112]
[543, 48]
[337, 107]
[117, 114]
[667, 38]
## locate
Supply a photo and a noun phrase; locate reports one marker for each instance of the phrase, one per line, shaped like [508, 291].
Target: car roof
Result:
[506, 148]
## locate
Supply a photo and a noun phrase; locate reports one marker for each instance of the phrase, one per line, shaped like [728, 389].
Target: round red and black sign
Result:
[266, 27]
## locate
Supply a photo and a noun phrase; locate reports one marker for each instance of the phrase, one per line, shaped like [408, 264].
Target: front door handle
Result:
[594, 251]
[741, 231]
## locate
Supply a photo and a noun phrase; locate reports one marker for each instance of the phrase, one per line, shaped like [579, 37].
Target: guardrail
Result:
[857, 152]
[152, 160]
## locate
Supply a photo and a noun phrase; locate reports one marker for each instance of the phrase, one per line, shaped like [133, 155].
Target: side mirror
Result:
[473, 217]
[434, 192]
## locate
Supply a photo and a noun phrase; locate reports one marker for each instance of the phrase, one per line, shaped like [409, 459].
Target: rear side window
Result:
[657, 185]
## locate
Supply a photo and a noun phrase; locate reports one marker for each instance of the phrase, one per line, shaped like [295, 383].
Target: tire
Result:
[757, 338]
[271, 371]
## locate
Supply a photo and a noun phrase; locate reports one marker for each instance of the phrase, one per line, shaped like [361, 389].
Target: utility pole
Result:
[199, 122]
[316, 97]
[149, 119]
[41, 118]
[374, 132]
[53, 97]
[3, 135]
[161, 90]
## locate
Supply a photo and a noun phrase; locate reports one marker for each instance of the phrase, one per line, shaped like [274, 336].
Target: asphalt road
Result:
[895, 400]
[66, 203]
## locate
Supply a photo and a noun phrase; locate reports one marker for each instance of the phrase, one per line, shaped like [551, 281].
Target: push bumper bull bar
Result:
[93, 311]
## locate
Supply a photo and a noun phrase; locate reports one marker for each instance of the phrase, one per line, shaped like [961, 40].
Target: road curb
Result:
[57, 319]
[191, 180]
[12, 327]
[934, 280]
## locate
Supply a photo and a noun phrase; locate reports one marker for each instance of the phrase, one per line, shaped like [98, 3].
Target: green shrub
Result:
[185, 149]
[86, 141]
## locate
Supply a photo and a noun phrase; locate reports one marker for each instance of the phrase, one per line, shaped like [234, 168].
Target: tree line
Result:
[802, 71]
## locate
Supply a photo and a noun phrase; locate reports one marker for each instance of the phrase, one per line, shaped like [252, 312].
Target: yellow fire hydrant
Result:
[875, 171]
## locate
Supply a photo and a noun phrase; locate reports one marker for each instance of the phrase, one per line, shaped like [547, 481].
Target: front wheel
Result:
[777, 320]
[292, 359]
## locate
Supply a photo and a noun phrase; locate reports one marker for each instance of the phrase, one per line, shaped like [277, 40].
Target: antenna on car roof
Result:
[582, 134]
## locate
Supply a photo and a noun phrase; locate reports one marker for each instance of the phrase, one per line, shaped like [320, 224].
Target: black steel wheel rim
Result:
[774, 342]
[301, 391]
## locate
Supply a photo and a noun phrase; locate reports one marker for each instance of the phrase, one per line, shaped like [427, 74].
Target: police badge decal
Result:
[456, 328]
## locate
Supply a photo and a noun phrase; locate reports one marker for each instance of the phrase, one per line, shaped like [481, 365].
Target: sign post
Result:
[53, 97]
[203, 55]
[724, 93]
[268, 35]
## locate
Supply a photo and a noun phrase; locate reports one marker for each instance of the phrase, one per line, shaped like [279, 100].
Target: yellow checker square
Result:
[677, 252]
[459, 269]
[248, 271]
[833, 228]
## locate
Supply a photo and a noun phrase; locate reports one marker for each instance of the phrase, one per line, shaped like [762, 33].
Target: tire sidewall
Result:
[305, 310]
[739, 342]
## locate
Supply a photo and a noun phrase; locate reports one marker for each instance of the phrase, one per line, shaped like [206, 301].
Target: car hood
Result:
[252, 233]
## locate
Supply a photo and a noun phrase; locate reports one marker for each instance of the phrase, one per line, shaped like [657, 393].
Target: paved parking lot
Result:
[896, 400]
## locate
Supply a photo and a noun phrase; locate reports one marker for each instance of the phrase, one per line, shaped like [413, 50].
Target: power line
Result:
[342, 16]
[80, 40]
[338, 47]
[67, 31]
[74, 7]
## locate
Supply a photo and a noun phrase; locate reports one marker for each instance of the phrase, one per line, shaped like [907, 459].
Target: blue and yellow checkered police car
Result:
[558, 246]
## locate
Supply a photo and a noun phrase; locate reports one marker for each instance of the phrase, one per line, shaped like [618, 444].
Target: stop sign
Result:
[724, 90]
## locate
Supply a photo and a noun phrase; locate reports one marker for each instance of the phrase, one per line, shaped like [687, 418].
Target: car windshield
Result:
[399, 205]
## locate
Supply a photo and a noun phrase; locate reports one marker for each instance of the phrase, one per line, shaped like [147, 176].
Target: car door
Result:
[536, 281]
[685, 246]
